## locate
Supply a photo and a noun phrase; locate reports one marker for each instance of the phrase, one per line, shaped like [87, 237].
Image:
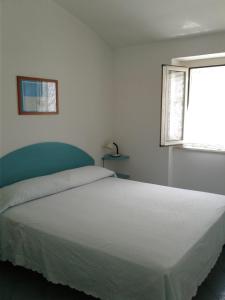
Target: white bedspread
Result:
[118, 239]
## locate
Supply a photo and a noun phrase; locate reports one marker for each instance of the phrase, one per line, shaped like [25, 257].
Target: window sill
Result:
[199, 149]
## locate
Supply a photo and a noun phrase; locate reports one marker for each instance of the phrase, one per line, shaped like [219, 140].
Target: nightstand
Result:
[116, 158]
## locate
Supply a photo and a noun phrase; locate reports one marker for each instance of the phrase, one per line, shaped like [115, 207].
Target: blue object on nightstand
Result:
[116, 158]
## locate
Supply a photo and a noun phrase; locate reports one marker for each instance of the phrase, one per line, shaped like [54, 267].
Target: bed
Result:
[79, 225]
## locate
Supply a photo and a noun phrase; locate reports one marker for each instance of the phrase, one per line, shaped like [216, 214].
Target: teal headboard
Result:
[41, 159]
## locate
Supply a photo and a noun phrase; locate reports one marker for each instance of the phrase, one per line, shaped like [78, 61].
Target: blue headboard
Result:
[39, 160]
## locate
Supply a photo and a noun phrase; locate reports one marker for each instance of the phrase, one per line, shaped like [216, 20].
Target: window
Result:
[194, 116]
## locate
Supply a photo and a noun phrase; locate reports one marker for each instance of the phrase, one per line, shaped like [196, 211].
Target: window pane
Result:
[176, 96]
[205, 119]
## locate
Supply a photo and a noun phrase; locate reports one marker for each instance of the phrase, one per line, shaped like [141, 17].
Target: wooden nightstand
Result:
[116, 158]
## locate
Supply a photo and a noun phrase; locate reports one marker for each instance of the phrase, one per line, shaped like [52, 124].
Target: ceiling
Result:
[130, 22]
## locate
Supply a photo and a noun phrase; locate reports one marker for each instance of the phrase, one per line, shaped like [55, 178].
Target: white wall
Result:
[137, 76]
[42, 40]
[199, 170]
[137, 82]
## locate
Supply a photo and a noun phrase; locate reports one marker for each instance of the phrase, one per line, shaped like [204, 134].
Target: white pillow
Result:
[43, 186]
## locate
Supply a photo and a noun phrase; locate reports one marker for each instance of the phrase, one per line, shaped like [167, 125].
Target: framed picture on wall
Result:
[37, 96]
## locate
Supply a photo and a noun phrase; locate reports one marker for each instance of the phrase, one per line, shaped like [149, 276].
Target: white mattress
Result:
[118, 239]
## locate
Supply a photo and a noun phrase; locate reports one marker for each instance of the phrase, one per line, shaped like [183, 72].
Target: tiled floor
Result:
[19, 284]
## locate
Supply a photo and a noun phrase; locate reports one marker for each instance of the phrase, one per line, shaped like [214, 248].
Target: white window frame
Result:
[203, 65]
[165, 103]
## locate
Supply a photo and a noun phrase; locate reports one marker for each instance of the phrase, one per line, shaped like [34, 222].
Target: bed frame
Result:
[41, 159]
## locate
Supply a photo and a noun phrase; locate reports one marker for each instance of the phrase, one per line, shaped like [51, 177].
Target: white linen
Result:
[39, 187]
[118, 239]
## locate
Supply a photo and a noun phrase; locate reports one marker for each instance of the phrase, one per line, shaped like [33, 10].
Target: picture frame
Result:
[37, 96]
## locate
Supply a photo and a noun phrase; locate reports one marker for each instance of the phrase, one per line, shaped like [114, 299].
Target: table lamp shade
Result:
[112, 146]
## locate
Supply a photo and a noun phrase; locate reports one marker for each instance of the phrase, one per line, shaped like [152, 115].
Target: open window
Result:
[174, 104]
[201, 125]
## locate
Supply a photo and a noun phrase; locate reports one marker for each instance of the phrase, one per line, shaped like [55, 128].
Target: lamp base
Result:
[115, 155]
